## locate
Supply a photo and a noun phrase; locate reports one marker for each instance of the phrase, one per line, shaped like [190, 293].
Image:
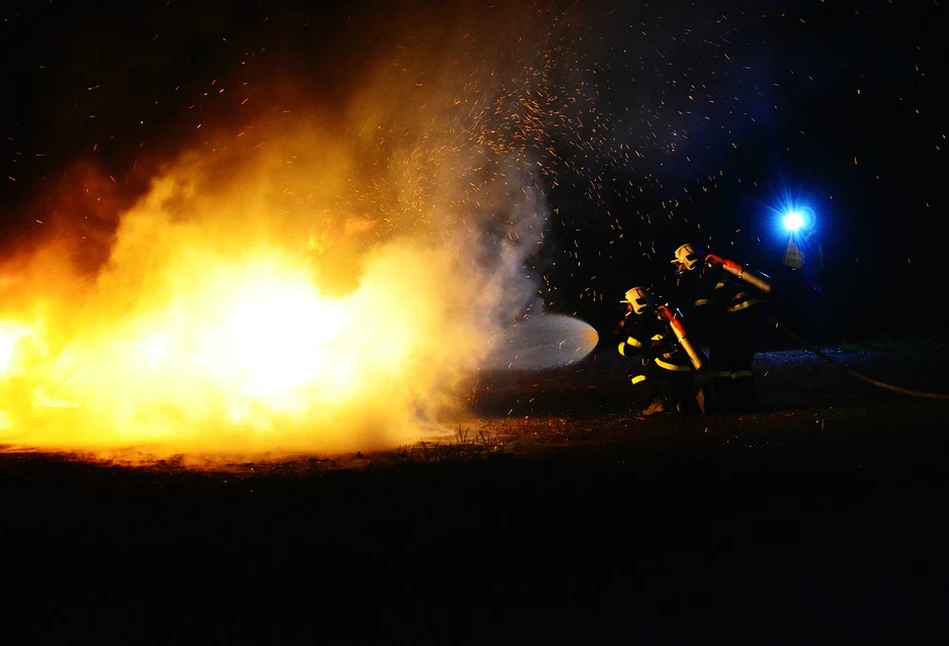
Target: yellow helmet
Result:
[639, 298]
[687, 256]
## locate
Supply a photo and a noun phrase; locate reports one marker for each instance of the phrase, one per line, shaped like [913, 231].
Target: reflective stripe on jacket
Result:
[671, 366]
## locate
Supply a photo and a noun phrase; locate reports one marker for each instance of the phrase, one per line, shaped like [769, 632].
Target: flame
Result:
[318, 283]
[205, 332]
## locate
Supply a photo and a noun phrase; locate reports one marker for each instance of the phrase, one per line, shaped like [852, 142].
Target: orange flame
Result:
[296, 288]
[212, 329]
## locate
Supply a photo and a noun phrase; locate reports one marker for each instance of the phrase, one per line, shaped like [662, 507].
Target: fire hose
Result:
[698, 361]
[740, 272]
[853, 373]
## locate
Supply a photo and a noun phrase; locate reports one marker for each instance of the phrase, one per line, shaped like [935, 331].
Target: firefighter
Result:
[660, 365]
[725, 303]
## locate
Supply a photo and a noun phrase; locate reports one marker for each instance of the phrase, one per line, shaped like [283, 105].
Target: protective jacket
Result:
[648, 337]
[657, 362]
[728, 313]
[711, 289]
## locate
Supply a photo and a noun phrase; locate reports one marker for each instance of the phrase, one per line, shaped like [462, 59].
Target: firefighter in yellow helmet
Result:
[662, 372]
[725, 303]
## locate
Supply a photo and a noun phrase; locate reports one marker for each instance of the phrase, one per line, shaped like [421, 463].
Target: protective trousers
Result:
[645, 385]
[731, 354]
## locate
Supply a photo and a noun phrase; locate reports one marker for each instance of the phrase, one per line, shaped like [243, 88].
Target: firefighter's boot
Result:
[654, 407]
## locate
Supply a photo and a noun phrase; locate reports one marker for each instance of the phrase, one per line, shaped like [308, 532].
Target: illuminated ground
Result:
[552, 515]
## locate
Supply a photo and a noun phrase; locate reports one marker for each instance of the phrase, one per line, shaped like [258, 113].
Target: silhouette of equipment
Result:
[853, 373]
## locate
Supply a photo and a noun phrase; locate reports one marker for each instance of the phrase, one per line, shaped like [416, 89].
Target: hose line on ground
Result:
[875, 382]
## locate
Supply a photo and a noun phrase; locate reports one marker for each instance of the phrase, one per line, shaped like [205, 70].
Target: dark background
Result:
[736, 108]
[778, 527]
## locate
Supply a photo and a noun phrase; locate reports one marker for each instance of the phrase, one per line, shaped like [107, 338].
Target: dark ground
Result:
[554, 516]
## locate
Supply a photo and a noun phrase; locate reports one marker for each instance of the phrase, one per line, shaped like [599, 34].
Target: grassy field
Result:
[570, 520]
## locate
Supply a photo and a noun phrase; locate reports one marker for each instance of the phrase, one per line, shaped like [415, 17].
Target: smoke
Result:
[312, 281]
[347, 232]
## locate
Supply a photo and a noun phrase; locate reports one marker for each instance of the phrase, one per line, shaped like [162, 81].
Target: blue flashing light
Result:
[793, 220]
[794, 216]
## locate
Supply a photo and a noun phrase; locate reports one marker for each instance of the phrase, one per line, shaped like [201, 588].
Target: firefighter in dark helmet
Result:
[662, 372]
[725, 304]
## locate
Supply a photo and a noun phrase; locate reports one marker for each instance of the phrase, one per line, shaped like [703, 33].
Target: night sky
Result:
[647, 124]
